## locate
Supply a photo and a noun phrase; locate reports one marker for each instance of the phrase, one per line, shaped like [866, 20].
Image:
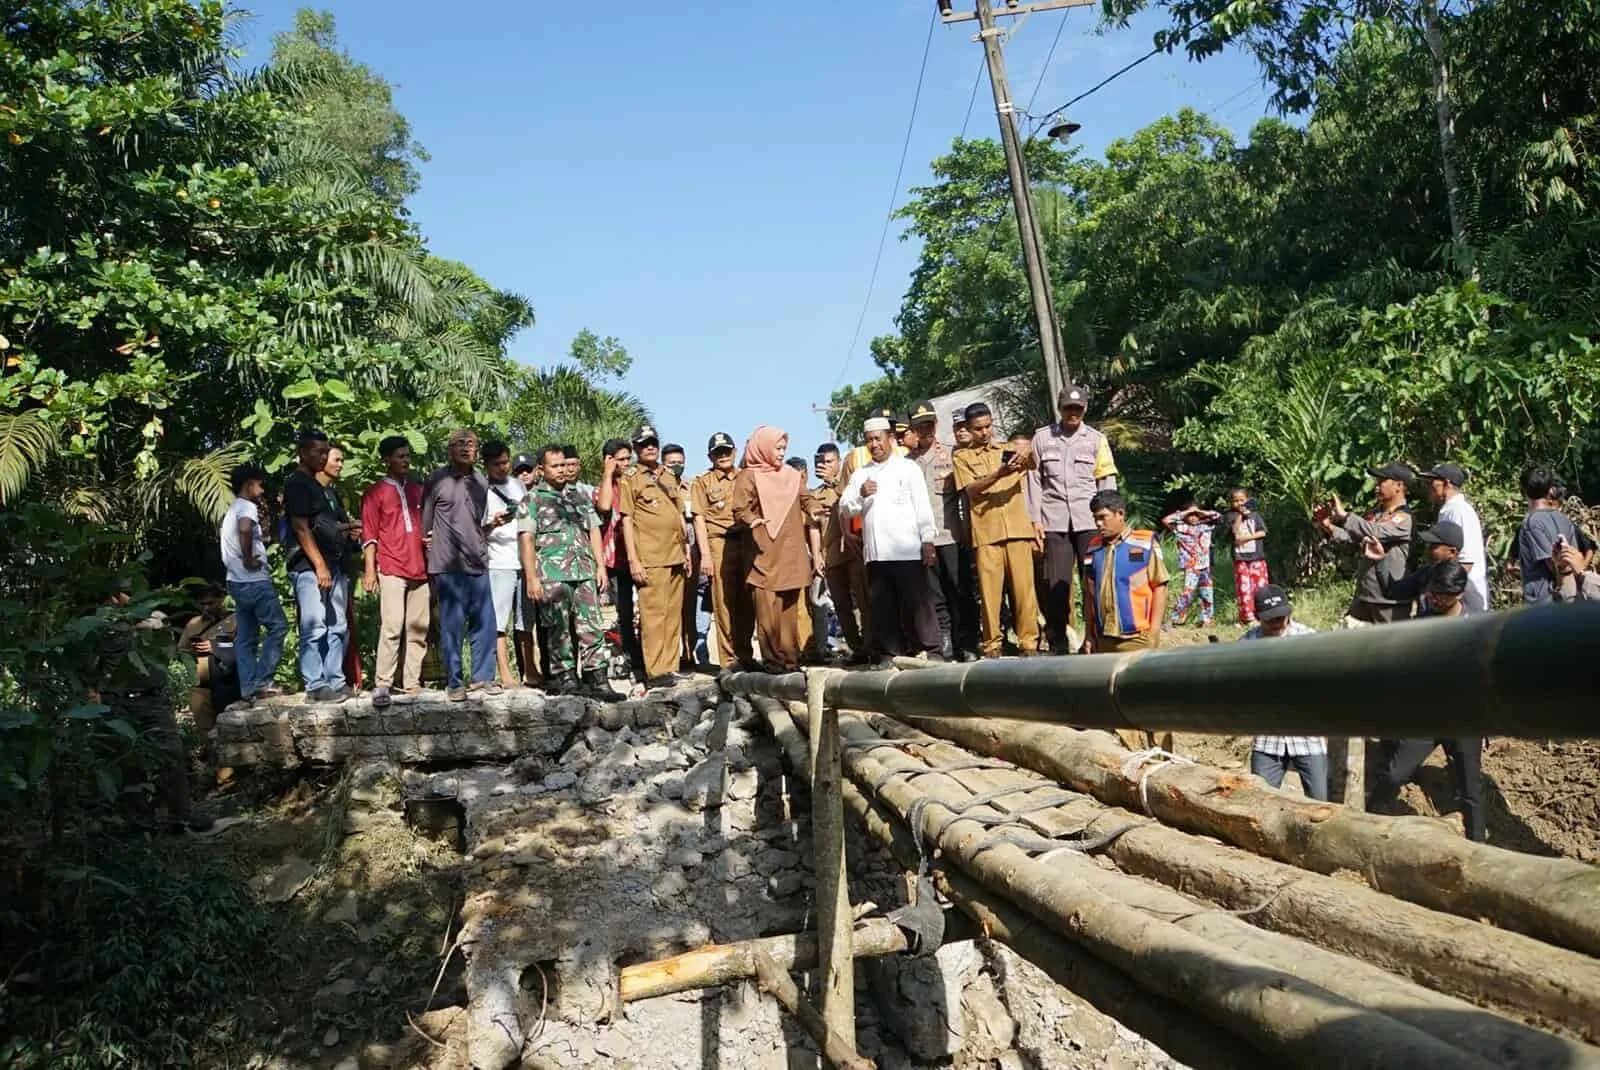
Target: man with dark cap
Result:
[944, 576]
[724, 554]
[1272, 756]
[1444, 483]
[1074, 462]
[1443, 542]
[651, 502]
[1390, 524]
[315, 566]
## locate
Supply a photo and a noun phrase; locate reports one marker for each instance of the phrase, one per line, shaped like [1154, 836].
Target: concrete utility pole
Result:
[1033, 255]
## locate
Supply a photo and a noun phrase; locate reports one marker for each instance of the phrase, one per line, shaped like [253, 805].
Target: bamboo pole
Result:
[719, 964]
[1421, 859]
[775, 982]
[1298, 1002]
[1466, 958]
[838, 987]
[1170, 1026]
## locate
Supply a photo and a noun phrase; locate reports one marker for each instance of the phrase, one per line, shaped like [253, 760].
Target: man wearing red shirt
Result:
[391, 519]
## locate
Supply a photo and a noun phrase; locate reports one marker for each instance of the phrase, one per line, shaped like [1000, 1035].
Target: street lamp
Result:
[1063, 130]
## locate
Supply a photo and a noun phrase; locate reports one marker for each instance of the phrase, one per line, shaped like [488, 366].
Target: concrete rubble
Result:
[658, 825]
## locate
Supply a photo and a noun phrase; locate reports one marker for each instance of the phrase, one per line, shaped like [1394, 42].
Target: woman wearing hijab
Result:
[771, 499]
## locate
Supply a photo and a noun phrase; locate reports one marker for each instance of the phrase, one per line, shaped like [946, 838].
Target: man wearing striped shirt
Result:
[1272, 756]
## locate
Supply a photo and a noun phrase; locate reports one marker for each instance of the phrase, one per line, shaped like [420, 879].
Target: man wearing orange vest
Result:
[1125, 598]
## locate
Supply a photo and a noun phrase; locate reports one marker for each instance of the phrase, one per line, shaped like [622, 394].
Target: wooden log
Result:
[838, 981]
[778, 984]
[1466, 958]
[1297, 1003]
[719, 964]
[1417, 858]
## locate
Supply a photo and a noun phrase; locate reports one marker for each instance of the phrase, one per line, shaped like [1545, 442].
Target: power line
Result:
[1114, 75]
[1062, 25]
[894, 195]
[972, 98]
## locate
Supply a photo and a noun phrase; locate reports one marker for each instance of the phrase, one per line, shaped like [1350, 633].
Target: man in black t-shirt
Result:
[321, 589]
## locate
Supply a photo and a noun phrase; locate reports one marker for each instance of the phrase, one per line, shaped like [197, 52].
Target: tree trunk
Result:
[1421, 859]
[1444, 117]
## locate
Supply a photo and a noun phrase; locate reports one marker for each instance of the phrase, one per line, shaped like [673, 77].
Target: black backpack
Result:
[224, 672]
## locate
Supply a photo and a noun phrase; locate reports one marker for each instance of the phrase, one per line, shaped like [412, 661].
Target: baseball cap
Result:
[719, 441]
[923, 411]
[1450, 473]
[1444, 533]
[645, 433]
[958, 415]
[899, 421]
[1272, 603]
[1072, 394]
[523, 462]
[1394, 470]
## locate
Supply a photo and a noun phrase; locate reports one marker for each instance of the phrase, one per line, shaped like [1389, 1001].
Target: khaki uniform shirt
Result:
[1000, 513]
[711, 496]
[826, 495]
[654, 499]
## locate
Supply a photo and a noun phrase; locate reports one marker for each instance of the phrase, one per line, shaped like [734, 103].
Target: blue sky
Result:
[708, 184]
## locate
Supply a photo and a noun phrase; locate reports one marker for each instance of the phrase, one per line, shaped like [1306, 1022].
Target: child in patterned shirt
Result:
[1193, 526]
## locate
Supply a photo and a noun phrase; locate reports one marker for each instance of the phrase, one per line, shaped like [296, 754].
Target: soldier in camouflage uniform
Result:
[559, 535]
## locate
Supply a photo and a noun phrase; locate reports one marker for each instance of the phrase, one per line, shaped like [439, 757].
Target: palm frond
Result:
[204, 480]
[27, 442]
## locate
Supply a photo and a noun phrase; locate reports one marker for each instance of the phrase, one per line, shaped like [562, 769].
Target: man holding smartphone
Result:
[1003, 537]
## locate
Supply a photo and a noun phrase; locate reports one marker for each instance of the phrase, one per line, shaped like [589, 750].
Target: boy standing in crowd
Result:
[396, 568]
[505, 567]
[315, 564]
[258, 615]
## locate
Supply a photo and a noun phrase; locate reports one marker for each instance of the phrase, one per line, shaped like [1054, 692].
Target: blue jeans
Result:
[466, 609]
[322, 629]
[256, 607]
[1311, 768]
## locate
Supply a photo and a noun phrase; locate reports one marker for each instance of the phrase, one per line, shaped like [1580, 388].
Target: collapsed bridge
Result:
[637, 849]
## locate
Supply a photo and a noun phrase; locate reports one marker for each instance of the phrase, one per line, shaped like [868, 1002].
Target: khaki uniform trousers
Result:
[731, 605]
[1133, 738]
[847, 584]
[1001, 564]
[403, 617]
[778, 626]
[661, 619]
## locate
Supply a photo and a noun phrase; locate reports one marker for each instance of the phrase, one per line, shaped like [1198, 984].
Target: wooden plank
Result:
[838, 986]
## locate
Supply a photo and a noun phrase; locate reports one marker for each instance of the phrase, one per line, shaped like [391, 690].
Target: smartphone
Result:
[1007, 456]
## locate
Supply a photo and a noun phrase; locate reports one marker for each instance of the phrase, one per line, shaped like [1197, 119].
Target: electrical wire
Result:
[1060, 26]
[894, 195]
[972, 98]
[1114, 75]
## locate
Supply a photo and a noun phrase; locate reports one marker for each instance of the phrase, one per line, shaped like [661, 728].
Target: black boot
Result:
[562, 683]
[596, 685]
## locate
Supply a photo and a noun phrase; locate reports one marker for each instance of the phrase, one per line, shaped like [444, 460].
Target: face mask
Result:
[676, 469]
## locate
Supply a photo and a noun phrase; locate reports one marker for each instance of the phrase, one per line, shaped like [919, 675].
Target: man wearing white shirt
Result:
[1446, 481]
[890, 495]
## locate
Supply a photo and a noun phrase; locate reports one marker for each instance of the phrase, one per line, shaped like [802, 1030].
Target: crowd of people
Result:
[903, 547]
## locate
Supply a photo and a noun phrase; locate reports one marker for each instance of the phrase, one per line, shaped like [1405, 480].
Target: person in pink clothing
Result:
[396, 568]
